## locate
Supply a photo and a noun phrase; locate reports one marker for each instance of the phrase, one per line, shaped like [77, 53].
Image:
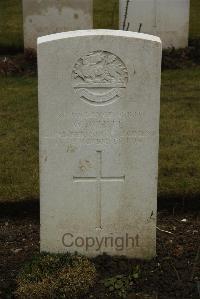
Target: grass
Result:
[194, 19]
[105, 16]
[19, 138]
[56, 276]
[108, 8]
[11, 26]
[179, 161]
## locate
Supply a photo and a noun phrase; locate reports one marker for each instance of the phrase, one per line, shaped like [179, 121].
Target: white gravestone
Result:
[99, 98]
[42, 17]
[168, 19]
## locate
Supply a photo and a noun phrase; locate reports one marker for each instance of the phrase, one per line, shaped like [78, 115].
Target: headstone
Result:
[42, 17]
[99, 98]
[168, 19]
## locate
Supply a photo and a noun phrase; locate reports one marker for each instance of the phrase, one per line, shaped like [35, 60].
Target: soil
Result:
[174, 273]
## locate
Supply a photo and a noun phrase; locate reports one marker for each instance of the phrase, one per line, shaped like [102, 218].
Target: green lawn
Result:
[179, 162]
[194, 19]
[11, 29]
[108, 8]
[19, 138]
[105, 16]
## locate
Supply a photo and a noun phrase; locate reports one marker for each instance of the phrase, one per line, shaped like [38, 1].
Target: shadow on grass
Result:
[175, 204]
[11, 49]
[29, 208]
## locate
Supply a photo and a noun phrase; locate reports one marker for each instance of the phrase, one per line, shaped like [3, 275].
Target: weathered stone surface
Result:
[99, 99]
[168, 19]
[42, 17]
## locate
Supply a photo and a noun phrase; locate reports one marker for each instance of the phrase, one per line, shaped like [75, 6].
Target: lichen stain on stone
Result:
[71, 148]
[84, 165]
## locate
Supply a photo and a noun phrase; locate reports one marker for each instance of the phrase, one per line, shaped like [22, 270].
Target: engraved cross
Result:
[98, 179]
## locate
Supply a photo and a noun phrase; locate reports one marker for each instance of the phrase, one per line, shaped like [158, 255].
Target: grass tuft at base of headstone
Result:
[56, 276]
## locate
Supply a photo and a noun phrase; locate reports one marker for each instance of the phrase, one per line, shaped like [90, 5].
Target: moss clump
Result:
[56, 276]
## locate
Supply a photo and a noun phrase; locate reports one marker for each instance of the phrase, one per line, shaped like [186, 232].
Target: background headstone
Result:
[42, 17]
[99, 99]
[168, 19]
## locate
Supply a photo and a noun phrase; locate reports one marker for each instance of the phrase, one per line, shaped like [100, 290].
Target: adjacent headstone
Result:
[42, 17]
[99, 99]
[168, 19]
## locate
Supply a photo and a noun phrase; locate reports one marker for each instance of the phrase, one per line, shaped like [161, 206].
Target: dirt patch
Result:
[19, 240]
[182, 58]
[174, 273]
[21, 64]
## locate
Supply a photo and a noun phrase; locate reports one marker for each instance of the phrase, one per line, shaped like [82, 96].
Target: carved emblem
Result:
[99, 77]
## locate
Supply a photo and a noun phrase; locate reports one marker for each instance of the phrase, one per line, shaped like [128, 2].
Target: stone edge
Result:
[97, 32]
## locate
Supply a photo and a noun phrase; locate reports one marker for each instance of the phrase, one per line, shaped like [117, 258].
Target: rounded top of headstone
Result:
[98, 32]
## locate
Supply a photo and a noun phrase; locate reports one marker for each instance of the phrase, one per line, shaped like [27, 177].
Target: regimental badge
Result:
[99, 77]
